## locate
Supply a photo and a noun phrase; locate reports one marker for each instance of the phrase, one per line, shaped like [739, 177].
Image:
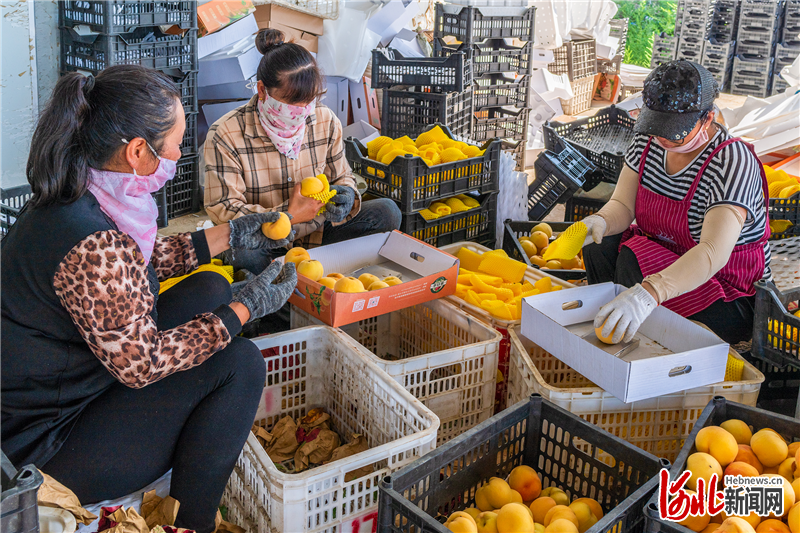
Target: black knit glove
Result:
[246, 232]
[341, 204]
[261, 296]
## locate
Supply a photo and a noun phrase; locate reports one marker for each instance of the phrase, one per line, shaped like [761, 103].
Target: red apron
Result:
[661, 235]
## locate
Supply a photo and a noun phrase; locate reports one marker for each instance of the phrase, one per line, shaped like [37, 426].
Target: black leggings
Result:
[194, 422]
[731, 321]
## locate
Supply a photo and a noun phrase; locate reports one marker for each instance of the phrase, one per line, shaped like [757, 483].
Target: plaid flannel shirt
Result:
[246, 174]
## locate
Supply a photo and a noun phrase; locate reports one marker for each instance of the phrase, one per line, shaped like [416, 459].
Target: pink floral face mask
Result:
[127, 199]
[285, 124]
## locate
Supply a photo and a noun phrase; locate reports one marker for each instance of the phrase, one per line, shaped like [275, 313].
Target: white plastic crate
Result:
[437, 352]
[582, 101]
[319, 367]
[502, 326]
[657, 425]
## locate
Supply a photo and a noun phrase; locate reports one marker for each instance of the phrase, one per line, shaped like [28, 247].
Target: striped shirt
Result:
[732, 177]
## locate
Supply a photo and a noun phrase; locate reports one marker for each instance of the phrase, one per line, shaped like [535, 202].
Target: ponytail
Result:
[57, 168]
[84, 122]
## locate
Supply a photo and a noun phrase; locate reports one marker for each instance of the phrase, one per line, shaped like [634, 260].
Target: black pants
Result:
[194, 422]
[731, 321]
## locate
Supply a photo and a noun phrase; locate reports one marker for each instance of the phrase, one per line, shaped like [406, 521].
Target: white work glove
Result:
[597, 228]
[626, 313]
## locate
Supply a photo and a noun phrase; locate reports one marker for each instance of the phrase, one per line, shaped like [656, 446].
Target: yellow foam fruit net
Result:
[374, 146]
[494, 283]
[779, 226]
[440, 209]
[568, 244]
[734, 369]
[326, 194]
[456, 205]
[469, 201]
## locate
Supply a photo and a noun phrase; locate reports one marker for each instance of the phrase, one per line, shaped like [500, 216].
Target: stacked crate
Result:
[618, 28]
[760, 25]
[696, 22]
[97, 34]
[664, 49]
[501, 71]
[789, 48]
[718, 60]
[578, 60]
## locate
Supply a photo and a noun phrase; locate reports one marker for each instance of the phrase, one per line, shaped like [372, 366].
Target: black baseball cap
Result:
[675, 94]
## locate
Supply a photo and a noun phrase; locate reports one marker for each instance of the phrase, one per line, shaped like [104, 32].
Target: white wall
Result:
[18, 91]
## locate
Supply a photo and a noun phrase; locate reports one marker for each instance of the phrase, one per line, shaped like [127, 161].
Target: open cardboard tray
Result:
[674, 354]
[427, 274]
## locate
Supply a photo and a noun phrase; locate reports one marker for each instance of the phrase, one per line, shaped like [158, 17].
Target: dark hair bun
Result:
[267, 39]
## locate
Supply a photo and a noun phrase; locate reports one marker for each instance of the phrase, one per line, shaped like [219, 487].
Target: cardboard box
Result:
[237, 90]
[337, 97]
[674, 354]
[277, 14]
[216, 14]
[307, 40]
[392, 18]
[214, 112]
[226, 36]
[606, 88]
[361, 131]
[364, 103]
[427, 274]
[234, 63]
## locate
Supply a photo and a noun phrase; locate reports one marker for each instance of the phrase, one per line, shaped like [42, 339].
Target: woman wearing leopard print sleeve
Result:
[106, 386]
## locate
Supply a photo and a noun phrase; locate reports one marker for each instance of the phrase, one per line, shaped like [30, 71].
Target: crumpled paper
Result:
[159, 511]
[358, 444]
[283, 440]
[119, 520]
[316, 449]
[54, 494]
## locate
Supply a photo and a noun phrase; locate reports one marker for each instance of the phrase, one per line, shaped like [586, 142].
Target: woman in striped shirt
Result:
[698, 198]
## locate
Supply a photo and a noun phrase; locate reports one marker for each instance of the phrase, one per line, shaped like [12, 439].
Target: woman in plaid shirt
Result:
[257, 155]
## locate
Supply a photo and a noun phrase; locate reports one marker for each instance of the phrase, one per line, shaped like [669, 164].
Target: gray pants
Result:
[376, 216]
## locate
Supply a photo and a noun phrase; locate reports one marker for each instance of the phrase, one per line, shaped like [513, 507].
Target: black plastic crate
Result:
[603, 138]
[518, 151]
[12, 200]
[558, 177]
[475, 225]
[189, 142]
[473, 25]
[147, 47]
[577, 59]
[716, 412]
[183, 191]
[785, 209]
[513, 230]
[502, 90]
[779, 390]
[18, 500]
[578, 208]
[412, 112]
[501, 123]
[490, 57]
[566, 451]
[112, 17]
[414, 185]
[441, 74]
[187, 85]
[776, 330]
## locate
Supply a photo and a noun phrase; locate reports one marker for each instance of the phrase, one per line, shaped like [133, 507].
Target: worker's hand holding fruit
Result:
[303, 208]
[261, 296]
[248, 232]
[621, 318]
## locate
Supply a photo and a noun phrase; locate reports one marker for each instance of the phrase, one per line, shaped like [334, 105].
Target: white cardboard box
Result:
[236, 62]
[337, 97]
[674, 354]
[362, 131]
[238, 90]
[364, 103]
[208, 44]
[214, 112]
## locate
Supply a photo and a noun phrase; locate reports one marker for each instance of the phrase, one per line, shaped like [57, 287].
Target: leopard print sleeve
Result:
[102, 283]
[180, 254]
